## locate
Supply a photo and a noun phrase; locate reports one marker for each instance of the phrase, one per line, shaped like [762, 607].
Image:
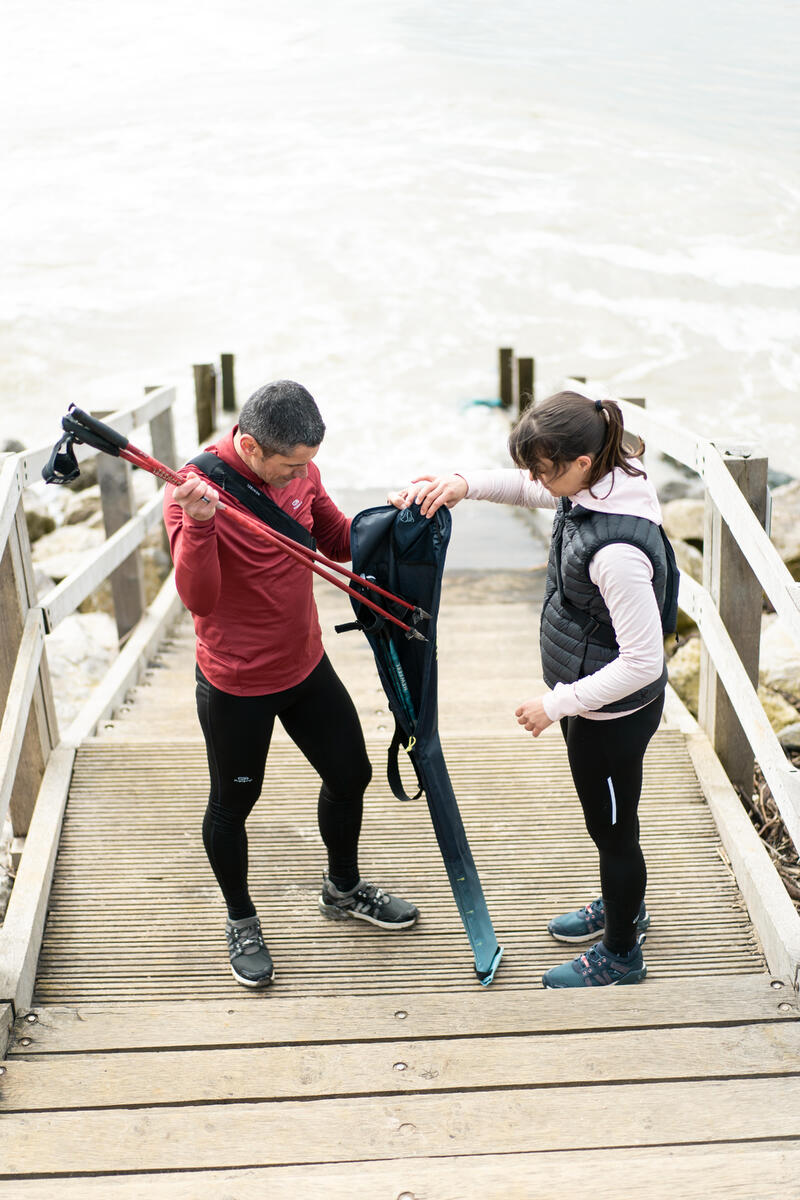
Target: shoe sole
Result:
[334, 913]
[631, 977]
[595, 935]
[253, 983]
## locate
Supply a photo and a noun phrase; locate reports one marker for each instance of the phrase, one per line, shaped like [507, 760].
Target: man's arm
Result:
[189, 515]
[330, 527]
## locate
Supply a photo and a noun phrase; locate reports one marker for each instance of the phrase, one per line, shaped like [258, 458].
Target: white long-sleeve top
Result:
[624, 575]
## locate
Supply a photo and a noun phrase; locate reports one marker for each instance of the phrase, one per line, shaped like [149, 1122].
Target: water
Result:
[373, 198]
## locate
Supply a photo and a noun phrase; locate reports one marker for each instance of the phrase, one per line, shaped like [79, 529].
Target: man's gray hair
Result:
[280, 416]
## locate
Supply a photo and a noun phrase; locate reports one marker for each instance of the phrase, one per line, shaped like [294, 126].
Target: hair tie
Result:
[598, 405]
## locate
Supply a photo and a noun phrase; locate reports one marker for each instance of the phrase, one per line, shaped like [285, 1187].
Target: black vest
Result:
[576, 636]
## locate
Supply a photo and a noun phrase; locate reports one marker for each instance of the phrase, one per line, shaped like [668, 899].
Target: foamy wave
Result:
[722, 262]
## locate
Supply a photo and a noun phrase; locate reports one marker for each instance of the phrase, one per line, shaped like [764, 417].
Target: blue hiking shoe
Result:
[583, 924]
[598, 967]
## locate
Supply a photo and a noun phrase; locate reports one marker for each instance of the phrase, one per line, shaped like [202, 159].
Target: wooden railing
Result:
[36, 759]
[739, 561]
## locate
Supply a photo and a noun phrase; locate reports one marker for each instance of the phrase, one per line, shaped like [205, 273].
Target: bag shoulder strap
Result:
[393, 768]
[229, 480]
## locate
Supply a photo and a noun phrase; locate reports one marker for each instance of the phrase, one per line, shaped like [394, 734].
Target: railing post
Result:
[526, 369]
[737, 595]
[17, 596]
[506, 367]
[228, 387]
[162, 436]
[205, 392]
[127, 582]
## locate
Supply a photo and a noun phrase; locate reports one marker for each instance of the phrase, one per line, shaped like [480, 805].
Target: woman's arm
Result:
[514, 486]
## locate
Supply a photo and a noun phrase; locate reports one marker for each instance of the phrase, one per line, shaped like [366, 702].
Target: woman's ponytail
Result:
[568, 425]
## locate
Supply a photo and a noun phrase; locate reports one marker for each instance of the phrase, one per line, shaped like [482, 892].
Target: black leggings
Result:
[322, 721]
[605, 758]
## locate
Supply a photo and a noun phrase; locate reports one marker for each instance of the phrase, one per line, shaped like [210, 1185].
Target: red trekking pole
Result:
[82, 428]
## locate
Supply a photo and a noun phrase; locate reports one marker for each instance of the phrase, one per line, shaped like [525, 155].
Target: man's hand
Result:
[531, 716]
[430, 492]
[197, 498]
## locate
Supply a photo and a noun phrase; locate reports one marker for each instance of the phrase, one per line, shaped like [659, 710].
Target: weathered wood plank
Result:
[266, 1019]
[754, 1171]
[17, 712]
[772, 911]
[386, 1068]
[287, 1132]
[6, 1025]
[115, 477]
[21, 932]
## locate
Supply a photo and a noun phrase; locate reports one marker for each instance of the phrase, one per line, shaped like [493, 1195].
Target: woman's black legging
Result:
[321, 719]
[605, 758]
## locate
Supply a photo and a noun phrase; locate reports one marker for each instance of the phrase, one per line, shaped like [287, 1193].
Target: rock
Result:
[785, 533]
[683, 520]
[39, 523]
[63, 551]
[83, 506]
[776, 479]
[680, 489]
[779, 658]
[11, 446]
[79, 652]
[87, 477]
[156, 566]
[780, 712]
[789, 736]
[688, 558]
[684, 673]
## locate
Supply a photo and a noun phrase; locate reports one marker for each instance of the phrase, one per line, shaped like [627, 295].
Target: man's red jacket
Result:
[253, 606]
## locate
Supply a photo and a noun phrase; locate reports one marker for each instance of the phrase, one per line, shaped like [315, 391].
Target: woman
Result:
[601, 645]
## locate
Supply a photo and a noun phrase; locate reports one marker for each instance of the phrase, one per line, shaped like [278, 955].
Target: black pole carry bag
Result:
[404, 552]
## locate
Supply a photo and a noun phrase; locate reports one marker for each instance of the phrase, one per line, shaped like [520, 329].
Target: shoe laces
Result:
[247, 939]
[372, 894]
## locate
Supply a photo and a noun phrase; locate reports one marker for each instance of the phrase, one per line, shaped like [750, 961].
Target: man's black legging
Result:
[321, 719]
[605, 758]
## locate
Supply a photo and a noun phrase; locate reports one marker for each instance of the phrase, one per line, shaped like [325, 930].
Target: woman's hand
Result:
[531, 716]
[197, 498]
[430, 492]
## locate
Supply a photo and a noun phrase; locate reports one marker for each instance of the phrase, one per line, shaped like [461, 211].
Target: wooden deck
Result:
[375, 1064]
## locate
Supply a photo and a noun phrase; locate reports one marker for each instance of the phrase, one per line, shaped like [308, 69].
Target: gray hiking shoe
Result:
[584, 924]
[366, 902]
[250, 960]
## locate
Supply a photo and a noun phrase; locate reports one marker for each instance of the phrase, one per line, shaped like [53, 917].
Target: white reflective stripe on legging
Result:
[613, 802]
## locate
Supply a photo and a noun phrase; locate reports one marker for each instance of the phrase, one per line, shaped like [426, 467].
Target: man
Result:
[260, 656]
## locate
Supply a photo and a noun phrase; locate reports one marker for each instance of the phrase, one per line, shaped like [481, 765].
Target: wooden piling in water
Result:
[525, 382]
[506, 367]
[205, 393]
[228, 388]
